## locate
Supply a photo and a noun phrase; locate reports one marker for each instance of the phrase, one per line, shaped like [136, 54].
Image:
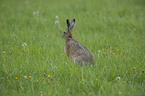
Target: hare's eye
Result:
[64, 32]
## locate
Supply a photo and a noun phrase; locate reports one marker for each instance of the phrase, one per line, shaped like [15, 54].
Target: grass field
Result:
[32, 58]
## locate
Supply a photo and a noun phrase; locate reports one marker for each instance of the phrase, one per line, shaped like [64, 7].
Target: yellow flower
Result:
[25, 77]
[133, 68]
[96, 78]
[77, 76]
[83, 93]
[41, 94]
[119, 92]
[143, 71]
[3, 51]
[16, 78]
[121, 53]
[29, 76]
[48, 75]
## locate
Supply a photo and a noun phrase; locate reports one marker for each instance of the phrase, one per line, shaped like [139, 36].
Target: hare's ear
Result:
[72, 24]
[68, 23]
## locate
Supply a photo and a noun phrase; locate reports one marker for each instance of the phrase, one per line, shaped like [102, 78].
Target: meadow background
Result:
[32, 58]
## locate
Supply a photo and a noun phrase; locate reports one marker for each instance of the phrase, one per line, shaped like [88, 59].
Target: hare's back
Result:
[79, 50]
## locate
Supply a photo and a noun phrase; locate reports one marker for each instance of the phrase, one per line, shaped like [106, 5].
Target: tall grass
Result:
[32, 58]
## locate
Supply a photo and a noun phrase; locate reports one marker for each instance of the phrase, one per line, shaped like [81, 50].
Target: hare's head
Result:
[68, 33]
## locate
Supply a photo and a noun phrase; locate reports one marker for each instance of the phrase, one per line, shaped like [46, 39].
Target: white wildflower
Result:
[41, 92]
[24, 44]
[118, 78]
[56, 22]
[99, 51]
[56, 16]
[35, 13]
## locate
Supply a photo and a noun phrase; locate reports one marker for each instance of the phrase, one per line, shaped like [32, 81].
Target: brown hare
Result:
[74, 49]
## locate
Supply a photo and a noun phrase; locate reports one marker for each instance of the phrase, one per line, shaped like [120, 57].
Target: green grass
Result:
[115, 27]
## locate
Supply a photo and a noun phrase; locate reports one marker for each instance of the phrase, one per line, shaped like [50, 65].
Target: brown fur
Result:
[76, 50]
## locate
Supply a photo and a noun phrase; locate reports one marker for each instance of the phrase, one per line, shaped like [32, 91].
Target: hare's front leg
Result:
[74, 59]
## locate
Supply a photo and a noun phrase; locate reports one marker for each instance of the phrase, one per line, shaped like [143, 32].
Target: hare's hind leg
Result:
[80, 62]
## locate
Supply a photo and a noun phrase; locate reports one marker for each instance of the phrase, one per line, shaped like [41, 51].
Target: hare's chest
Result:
[67, 50]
